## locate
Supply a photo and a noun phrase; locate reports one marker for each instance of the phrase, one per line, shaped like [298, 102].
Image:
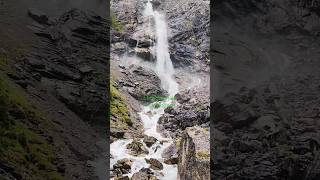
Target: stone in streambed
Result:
[137, 148]
[170, 154]
[124, 165]
[154, 164]
[144, 174]
[149, 140]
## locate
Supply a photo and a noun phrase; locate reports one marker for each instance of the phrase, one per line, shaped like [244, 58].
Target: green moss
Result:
[156, 105]
[178, 142]
[203, 155]
[115, 23]
[119, 109]
[20, 147]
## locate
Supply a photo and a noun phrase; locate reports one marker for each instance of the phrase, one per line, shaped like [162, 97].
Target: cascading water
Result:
[150, 115]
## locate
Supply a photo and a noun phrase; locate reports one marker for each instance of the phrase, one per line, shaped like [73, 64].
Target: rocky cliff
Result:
[265, 111]
[54, 94]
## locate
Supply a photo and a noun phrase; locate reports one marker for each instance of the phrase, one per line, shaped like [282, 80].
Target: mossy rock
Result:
[204, 155]
[115, 23]
[119, 110]
[21, 147]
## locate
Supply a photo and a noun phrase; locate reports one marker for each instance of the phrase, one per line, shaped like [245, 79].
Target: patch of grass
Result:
[115, 23]
[119, 109]
[203, 155]
[20, 147]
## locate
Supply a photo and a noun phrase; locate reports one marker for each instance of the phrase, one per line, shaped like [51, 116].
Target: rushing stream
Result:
[150, 115]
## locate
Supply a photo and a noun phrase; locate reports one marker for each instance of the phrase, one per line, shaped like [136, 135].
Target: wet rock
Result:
[137, 148]
[143, 82]
[144, 174]
[145, 54]
[182, 98]
[122, 166]
[156, 3]
[154, 164]
[187, 114]
[149, 140]
[171, 161]
[170, 154]
[194, 154]
[119, 48]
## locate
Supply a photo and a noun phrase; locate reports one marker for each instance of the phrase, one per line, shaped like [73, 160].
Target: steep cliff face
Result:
[265, 111]
[54, 93]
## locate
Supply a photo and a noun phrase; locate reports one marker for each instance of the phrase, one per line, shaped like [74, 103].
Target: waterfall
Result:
[149, 115]
[164, 67]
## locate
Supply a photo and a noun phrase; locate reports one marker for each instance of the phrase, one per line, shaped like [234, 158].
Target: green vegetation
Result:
[21, 147]
[115, 23]
[203, 155]
[119, 109]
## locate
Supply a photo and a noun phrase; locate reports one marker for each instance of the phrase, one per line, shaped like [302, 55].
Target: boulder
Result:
[154, 164]
[144, 174]
[142, 83]
[124, 165]
[137, 148]
[149, 140]
[194, 154]
[145, 54]
[170, 154]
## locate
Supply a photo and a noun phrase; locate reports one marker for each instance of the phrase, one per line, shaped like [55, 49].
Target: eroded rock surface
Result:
[194, 154]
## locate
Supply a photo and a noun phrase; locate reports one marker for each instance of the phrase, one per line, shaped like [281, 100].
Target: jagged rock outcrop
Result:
[193, 110]
[69, 68]
[280, 142]
[123, 166]
[155, 164]
[149, 140]
[141, 83]
[262, 128]
[137, 148]
[189, 38]
[194, 154]
[170, 154]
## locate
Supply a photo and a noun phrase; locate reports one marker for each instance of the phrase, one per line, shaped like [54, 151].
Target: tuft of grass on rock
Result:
[115, 23]
[119, 110]
[203, 155]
